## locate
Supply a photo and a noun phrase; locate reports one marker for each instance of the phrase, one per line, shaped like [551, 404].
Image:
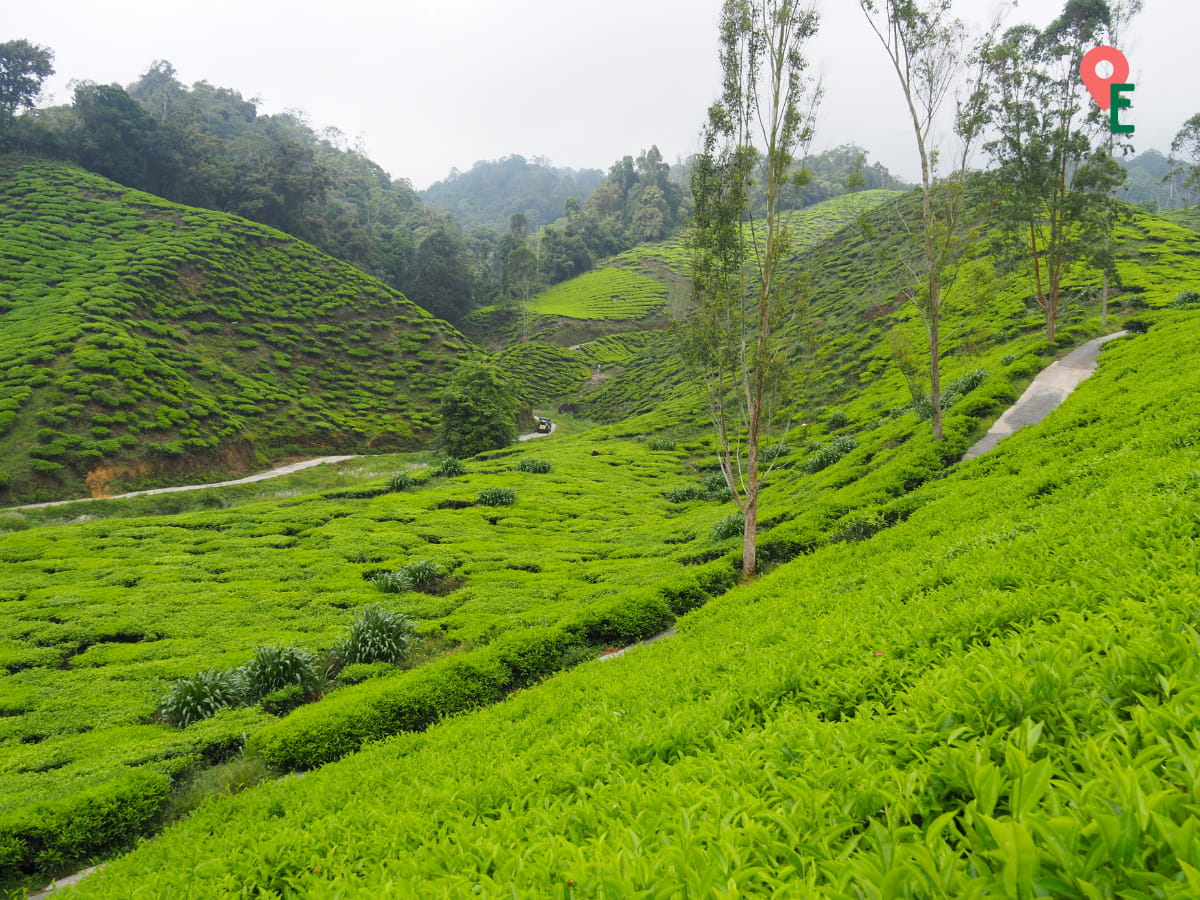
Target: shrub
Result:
[450, 467]
[273, 668]
[202, 695]
[963, 385]
[715, 487]
[377, 635]
[685, 493]
[1007, 359]
[282, 701]
[478, 410]
[1186, 300]
[1137, 326]
[534, 465]
[829, 453]
[496, 496]
[836, 419]
[360, 672]
[660, 444]
[415, 576]
[730, 526]
[401, 481]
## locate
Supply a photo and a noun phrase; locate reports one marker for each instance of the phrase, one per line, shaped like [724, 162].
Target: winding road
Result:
[261, 476]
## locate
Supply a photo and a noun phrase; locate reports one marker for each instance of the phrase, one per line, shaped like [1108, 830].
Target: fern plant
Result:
[273, 668]
[377, 635]
[415, 576]
[202, 695]
[496, 496]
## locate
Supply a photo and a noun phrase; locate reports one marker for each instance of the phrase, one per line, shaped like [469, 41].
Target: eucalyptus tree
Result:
[1185, 151]
[738, 338]
[1049, 185]
[928, 50]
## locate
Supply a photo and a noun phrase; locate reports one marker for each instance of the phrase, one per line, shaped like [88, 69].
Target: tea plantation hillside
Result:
[992, 691]
[542, 554]
[614, 317]
[143, 340]
[856, 321]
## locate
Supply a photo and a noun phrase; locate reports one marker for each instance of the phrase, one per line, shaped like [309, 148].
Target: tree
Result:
[520, 277]
[478, 411]
[23, 68]
[737, 339]
[442, 281]
[1042, 149]
[1185, 151]
[925, 46]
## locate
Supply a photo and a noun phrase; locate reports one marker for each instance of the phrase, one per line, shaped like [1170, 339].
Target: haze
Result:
[425, 86]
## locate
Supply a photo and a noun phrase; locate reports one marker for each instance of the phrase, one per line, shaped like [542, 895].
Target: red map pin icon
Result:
[1097, 85]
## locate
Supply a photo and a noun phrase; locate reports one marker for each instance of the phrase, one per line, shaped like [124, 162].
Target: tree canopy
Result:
[478, 411]
[23, 68]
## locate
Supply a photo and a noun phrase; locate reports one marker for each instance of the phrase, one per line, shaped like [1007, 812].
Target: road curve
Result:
[261, 476]
[1045, 393]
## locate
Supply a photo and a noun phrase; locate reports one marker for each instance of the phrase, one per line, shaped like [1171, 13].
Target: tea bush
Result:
[283, 700]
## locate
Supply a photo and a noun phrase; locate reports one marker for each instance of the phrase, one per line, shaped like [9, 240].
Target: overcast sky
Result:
[430, 85]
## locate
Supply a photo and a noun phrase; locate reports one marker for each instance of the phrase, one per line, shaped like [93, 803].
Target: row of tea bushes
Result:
[997, 696]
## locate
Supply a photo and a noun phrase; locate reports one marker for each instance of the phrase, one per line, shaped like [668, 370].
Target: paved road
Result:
[534, 434]
[1045, 394]
[261, 476]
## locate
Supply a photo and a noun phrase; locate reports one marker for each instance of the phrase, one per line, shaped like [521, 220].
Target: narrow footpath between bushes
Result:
[1045, 393]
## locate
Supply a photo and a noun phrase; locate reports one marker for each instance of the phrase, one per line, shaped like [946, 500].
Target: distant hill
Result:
[1152, 183]
[141, 339]
[492, 190]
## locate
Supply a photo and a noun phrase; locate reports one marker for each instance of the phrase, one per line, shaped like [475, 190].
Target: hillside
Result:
[142, 340]
[614, 318]
[991, 692]
[490, 192]
[912, 578]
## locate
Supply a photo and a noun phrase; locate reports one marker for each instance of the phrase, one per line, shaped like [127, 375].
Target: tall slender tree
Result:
[738, 338]
[927, 48]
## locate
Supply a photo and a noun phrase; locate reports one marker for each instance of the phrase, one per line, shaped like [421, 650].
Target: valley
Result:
[945, 674]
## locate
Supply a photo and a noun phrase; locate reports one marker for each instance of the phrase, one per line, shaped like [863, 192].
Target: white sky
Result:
[433, 84]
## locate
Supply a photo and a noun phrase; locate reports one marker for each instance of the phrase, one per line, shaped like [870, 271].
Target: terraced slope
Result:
[143, 341]
[996, 694]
